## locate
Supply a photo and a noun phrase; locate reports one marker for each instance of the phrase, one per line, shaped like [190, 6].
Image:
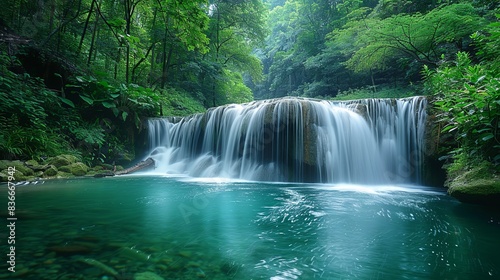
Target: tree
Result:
[468, 98]
[235, 28]
[423, 38]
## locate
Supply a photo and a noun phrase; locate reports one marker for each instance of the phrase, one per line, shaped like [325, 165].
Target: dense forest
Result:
[80, 76]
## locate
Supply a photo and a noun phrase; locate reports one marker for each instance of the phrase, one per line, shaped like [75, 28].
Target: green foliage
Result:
[379, 42]
[178, 103]
[468, 96]
[488, 42]
[25, 112]
[379, 92]
[127, 103]
[234, 89]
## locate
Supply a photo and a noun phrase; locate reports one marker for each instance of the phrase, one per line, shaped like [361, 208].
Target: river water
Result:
[185, 228]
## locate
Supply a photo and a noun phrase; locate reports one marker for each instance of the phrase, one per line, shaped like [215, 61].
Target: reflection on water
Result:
[177, 228]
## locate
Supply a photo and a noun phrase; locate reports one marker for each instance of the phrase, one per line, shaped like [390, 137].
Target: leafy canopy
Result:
[420, 37]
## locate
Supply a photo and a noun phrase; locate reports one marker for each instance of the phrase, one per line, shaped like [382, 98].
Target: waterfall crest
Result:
[371, 141]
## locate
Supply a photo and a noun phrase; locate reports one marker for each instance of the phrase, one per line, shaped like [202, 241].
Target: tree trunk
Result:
[85, 27]
[148, 163]
[153, 50]
[92, 42]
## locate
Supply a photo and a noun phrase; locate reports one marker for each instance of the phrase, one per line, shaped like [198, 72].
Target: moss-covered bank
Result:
[62, 166]
[479, 184]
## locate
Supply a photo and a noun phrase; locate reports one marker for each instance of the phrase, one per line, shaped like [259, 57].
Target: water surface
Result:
[180, 228]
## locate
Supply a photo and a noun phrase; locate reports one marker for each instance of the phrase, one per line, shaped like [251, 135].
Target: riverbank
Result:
[62, 166]
[477, 185]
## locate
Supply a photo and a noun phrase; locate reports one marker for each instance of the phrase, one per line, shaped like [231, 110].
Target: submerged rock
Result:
[100, 265]
[71, 249]
[147, 276]
[133, 254]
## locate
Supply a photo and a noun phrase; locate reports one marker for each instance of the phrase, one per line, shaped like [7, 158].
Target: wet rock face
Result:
[297, 140]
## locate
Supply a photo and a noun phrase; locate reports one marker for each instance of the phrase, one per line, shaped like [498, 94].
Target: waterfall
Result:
[372, 141]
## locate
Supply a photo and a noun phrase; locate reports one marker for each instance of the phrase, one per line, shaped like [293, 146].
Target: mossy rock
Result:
[78, 169]
[102, 174]
[107, 166]
[20, 167]
[31, 162]
[4, 177]
[35, 165]
[65, 168]
[481, 191]
[97, 168]
[50, 172]
[19, 176]
[62, 160]
[4, 164]
[62, 174]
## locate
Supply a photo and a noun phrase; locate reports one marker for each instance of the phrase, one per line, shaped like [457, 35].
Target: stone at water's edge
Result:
[480, 191]
[62, 160]
[62, 166]
[51, 171]
[78, 169]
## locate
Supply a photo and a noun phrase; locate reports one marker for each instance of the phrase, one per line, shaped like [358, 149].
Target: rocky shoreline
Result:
[62, 166]
[476, 186]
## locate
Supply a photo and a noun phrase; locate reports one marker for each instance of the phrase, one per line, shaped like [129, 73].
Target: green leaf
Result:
[449, 128]
[108, 104]
[86, 99]
[124, 115]
[67, 101]
[80, 79]
[487, 137]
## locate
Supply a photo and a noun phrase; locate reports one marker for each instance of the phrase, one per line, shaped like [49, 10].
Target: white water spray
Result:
[372, 141]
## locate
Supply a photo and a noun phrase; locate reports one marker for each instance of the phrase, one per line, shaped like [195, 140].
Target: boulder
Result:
[62, 174]
[31, 163]
[65, 168]
[35, 166]
[4, 177]
[479, 184]
[62, 160]
[50, 172]
[480, 191]
[20, 167]
[4, 164]
[78, 169]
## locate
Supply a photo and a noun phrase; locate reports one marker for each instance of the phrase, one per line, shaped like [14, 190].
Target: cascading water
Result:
[370, 141]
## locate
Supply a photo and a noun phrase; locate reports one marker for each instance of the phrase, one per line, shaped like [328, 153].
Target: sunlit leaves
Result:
[379, 42]
[468, 97]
